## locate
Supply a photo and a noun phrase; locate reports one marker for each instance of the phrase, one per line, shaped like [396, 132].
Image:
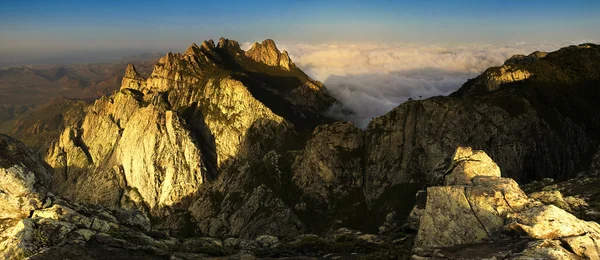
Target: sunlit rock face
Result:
[520, 59]
[23, 179]
[156, 142]
[267, 53]
[493, 78]
[136, 146]
[505, 74]
[485, 211]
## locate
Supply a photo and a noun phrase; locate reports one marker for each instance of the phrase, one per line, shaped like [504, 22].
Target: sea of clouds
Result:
[372, 79]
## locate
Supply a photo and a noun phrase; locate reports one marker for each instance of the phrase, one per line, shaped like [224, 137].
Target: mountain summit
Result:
[267, 53]
[157, 141]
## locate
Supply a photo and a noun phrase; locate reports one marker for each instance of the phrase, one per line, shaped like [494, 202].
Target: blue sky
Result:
[58, 26]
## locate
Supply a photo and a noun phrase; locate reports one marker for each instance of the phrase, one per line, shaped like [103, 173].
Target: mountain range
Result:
[225, 152]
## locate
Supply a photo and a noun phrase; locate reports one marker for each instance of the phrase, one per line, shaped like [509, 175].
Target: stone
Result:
[248, 245]
[18, 241]
[63, 213]
[448, 220]
[544, 249]
[203, 244]
[491, 209]
[519, 59]
[24, 179]
[584, 246]
[53, 230]
[552, 197]
[231, 242]
[546, 222]
[467, 164]
[267, 240]
[133, 218]
[83, 234]
[267, 53]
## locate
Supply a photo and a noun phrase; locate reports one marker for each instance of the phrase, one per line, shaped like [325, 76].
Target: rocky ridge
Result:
[198, 113]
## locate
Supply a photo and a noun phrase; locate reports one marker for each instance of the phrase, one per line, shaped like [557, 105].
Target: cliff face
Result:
[534, 127]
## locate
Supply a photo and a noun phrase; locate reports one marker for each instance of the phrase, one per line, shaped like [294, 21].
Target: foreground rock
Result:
[490, 216]
[23, 179]
[38, 225]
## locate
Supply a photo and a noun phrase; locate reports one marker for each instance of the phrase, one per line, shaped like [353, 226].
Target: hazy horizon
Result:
[54, 27]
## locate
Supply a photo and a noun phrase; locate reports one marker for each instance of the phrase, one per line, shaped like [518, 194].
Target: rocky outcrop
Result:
[248, 200]
[142, 151]
[466, 164]
[267, 53]
[23, 179]
[323, 168]
[577, 196]
[489, 210]
[492, 78]
[132, 79]
[520, 59]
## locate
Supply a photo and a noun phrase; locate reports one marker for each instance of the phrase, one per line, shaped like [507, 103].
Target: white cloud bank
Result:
[372, 79]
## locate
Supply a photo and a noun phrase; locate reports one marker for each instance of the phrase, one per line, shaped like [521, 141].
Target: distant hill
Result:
[22, 88]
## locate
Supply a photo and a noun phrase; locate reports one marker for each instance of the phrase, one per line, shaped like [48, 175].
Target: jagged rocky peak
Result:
[131, 72]
[210, 44]
[192, 49]
[132, 79]
[228, 44]
[519, 59]
[267, 53]
[156, 142]
[492, 78]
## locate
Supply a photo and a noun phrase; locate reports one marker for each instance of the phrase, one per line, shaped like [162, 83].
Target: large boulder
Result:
[481, 207]
[467, 164]
[24, 179]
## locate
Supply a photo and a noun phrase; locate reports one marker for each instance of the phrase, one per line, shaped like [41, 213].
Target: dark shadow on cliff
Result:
[285, 92]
